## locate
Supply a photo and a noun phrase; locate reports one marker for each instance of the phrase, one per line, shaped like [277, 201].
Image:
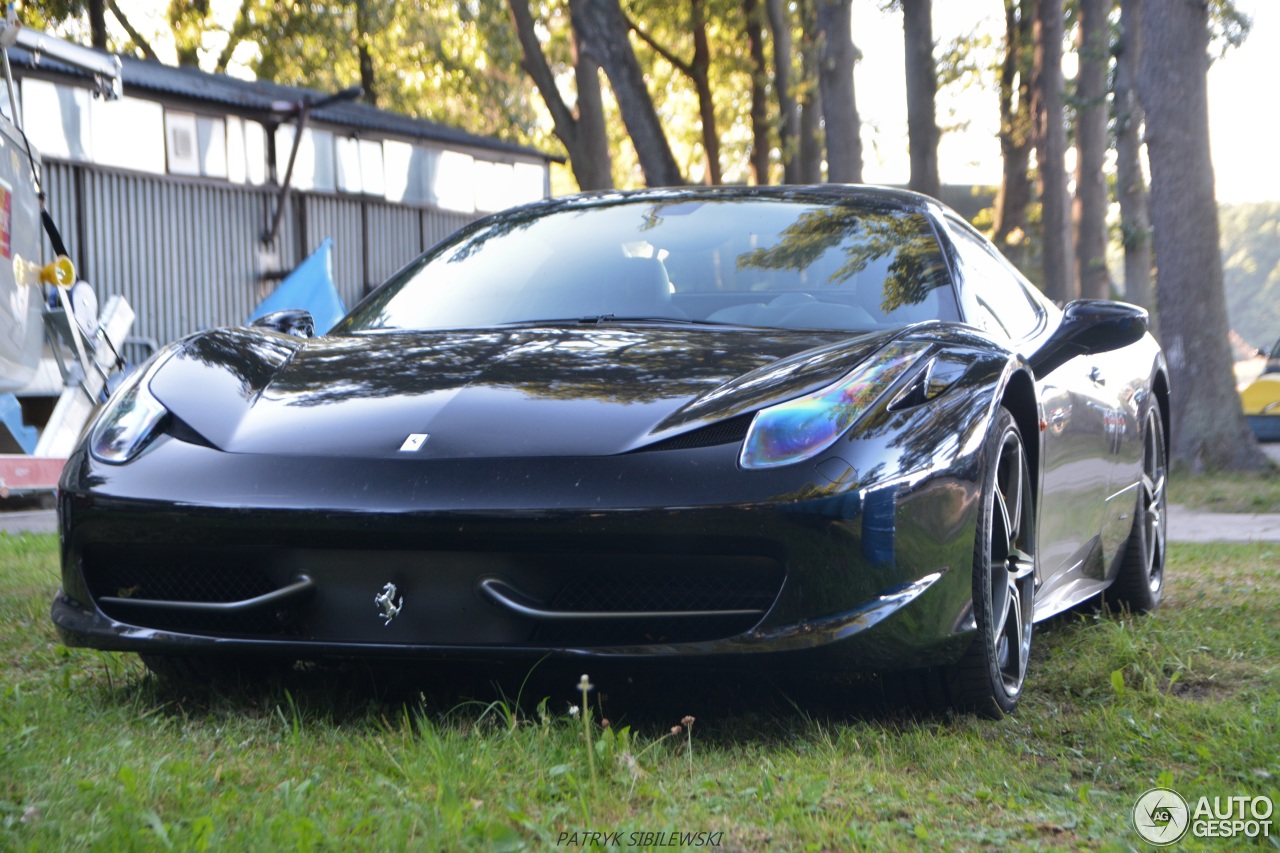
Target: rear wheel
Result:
[988, 679]
[1139, 584]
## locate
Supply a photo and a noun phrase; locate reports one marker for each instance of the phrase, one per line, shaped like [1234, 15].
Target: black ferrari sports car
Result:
[823, 428]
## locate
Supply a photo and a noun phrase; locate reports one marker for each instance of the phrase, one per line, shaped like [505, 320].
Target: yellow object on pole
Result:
[60, 272]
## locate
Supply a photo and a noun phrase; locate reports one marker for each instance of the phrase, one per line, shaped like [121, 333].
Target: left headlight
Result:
[802, 428]
[132, 420]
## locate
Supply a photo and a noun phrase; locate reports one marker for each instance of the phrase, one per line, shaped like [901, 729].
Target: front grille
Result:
[727, 586]
[628, 592]
[713, 587]
[158, 576]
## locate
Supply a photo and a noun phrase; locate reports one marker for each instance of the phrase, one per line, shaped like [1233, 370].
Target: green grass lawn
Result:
[96, 754]
[1258, 492]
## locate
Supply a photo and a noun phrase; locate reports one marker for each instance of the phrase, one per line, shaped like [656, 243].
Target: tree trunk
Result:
[753, 12]
[98, 24]
[922, 91]
[1050, 134]
[1090, 211]
[602, 32]
[788, 110]
[592, 148]
[368, 80]
[809, 149]
[1014, 195]
[1131, 188]
[835, 80]
[701, 73]
[583, 135]
[1208, 427]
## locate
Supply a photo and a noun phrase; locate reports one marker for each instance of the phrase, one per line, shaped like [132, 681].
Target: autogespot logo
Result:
[1161, 816]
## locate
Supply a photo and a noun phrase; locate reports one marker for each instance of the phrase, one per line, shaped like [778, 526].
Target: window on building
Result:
[128, 133]
[494, 189]
[452, 181]
[314, 167]
[56, 119]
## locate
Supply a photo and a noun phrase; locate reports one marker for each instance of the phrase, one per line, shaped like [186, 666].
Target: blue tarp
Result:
[15, 436]
[309, 286]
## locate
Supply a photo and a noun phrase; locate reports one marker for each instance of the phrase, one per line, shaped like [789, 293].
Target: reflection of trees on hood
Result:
[253, 357]
[610, 364]
[916, 265]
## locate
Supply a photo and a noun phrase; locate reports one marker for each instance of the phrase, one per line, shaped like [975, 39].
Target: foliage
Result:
[96, 754]
[1251, 270]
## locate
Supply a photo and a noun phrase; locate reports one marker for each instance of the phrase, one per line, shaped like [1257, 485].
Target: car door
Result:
[1077, 446]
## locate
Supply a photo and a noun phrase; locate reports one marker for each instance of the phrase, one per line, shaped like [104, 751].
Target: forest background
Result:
[1023, 114]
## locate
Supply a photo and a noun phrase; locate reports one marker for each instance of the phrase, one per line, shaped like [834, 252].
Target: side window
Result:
[994, 298]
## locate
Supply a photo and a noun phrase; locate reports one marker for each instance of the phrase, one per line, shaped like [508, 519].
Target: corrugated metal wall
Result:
[187, 254]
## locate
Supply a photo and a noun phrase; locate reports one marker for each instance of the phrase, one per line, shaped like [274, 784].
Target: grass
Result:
[1257, 492]
[96, 754]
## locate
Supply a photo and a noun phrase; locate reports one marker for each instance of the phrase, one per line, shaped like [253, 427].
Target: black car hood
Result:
[543, 391]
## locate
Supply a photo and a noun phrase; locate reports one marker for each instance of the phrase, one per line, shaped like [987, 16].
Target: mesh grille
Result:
[633, 593]
[161, 579]
[722, 432]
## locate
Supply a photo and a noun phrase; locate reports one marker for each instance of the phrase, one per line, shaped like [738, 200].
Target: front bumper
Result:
[660, 555]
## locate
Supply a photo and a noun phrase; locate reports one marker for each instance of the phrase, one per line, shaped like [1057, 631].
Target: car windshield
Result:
[772, 263]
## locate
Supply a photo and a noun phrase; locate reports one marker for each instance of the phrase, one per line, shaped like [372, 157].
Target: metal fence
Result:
[187, 253]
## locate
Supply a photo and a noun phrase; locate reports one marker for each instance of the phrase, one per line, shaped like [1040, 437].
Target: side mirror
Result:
[292, 321]
[1090, 326]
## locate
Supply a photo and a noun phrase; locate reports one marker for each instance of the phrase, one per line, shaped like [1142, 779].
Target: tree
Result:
[1014, 195]
[754, 16]
[788, 107]
[922, 90]
[583, 135]
[697, 70]
[835, 80]
[1050, 137]
[1208, 428]
[602, 30]
[1131, 187]
[1090, 209]
[809, 144]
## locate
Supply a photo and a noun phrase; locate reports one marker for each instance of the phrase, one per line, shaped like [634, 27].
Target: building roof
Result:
[265, 101]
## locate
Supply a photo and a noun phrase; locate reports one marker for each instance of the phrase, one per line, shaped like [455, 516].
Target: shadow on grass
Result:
[728, 705]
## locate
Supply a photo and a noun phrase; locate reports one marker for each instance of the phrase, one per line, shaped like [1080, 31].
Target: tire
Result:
[988, 678]
[1139, 583]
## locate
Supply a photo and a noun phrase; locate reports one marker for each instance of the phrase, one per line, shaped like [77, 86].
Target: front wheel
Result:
[1139, 583]
[988, 679]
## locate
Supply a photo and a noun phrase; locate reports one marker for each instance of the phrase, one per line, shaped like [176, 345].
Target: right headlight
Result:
[802, 428]
[132, 420]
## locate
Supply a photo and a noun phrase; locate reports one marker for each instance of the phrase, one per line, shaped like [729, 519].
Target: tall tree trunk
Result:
[1050, 134]
[583, 135]
[1090, 211]
[592, 146]
[1131, 188]
[1208, 427]
[835, 80]
[788, 109]
[364, 29]
[698, 70]
[1014, 195]
[809, 149]
[98, 24]
[922, 91]
[701, 73]
[753, 12]
[602, 31]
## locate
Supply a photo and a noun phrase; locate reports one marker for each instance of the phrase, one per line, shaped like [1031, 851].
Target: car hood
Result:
[544, 391]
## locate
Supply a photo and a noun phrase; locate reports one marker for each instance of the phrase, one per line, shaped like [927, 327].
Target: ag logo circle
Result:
[1161, 816]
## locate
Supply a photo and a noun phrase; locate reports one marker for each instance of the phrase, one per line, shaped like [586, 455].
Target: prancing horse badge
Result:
[414, 442]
